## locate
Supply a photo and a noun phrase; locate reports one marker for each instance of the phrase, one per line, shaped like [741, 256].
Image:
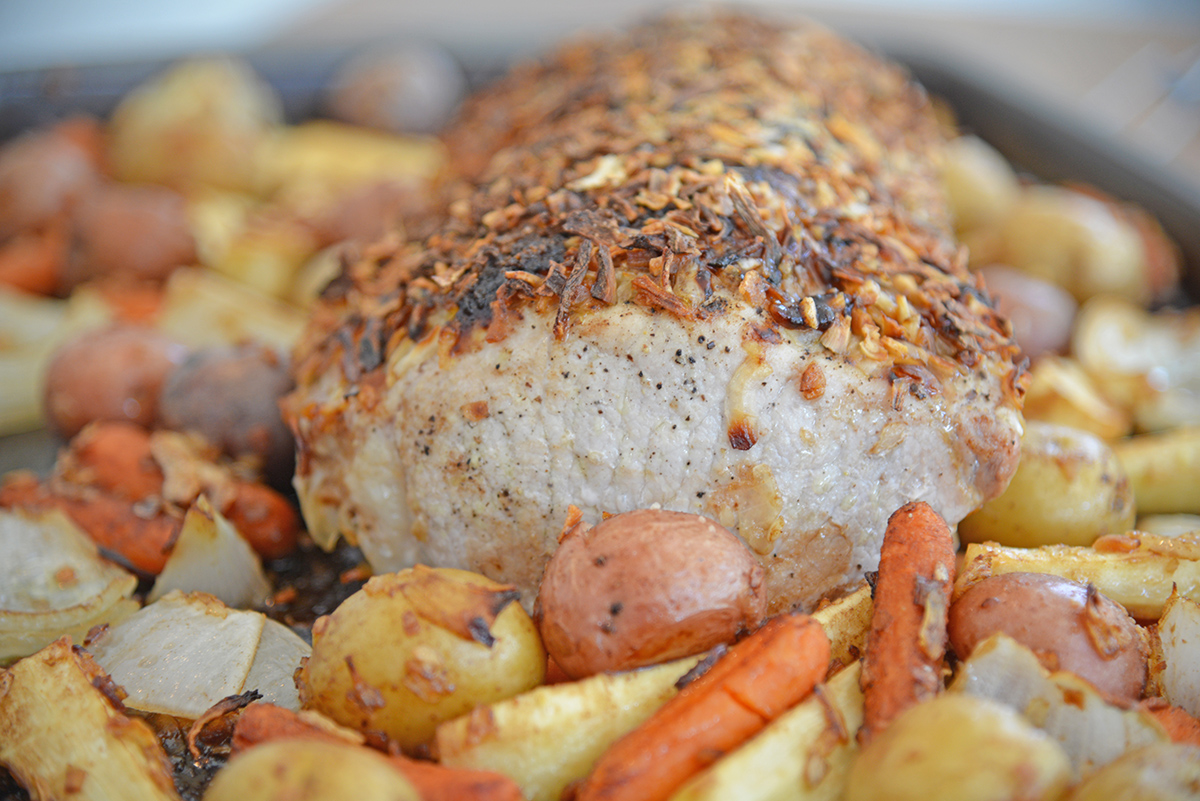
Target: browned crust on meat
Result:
[696, 163]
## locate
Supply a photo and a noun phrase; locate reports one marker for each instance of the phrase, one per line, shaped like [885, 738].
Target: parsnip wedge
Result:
[62, 738]
[1137, 570]
[550, 736]
[846, 622]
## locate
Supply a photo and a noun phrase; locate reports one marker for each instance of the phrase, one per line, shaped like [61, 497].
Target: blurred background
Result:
[1129, 68]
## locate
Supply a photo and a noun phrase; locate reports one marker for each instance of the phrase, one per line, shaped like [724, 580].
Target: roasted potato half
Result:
[1069, 488]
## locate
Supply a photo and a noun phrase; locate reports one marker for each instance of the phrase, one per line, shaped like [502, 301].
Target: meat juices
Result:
[706, 265]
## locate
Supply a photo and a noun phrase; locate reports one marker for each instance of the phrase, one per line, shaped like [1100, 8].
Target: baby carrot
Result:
[906, 643]
[111, 522]
[32, 261]
[115, 457]
[1181, 727]
[114, 525]
[757, 680]
[264, 518]
[441, 783]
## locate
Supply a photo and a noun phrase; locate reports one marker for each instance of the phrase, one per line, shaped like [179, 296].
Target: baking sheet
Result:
[1041, 140]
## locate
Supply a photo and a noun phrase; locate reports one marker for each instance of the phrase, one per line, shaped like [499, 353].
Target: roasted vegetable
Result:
[644, 587]
[412, 649]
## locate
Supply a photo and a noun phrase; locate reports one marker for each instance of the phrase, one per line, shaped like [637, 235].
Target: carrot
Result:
[756, 681]
[114, 525]
[265, 518]
[132, 302]
[109, 521]
[21, 489]
[263, 722]
[32, 261]
[115, 457]
[440, 783]
[906, 644]
[1180, 725]
[259, 723]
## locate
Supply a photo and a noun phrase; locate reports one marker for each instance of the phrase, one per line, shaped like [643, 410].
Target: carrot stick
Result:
[133, 302]
[265, 518]
[113, 524]
[110, 522]
[115, 457]
[902, 664]
[259, 723]
[263, 722]
[757, 680]
[440, 783]
[32, 261]
[1180, 725]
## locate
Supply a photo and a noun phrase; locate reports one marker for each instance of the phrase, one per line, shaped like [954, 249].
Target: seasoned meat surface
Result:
[706, 265]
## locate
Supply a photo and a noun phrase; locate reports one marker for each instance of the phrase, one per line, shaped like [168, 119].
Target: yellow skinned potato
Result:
[200, 123]
[645, 587]
[1069, 488]
[309, 770]
[412, 649]
[962, 748]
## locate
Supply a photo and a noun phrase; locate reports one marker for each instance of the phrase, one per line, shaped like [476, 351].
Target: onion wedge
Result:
[53, 582]
[184, 653]
[211, 557]
[1092, 731]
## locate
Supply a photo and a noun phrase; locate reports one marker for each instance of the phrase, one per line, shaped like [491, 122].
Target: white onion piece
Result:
[211, 557]
[279, 653]
[1179, 637]
[181, 654]
[1092, 731]
[53, 582]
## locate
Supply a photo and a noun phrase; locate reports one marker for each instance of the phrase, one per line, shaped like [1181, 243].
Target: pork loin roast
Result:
[704, 265]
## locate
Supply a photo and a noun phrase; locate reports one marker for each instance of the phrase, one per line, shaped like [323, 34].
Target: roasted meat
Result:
[705, 265]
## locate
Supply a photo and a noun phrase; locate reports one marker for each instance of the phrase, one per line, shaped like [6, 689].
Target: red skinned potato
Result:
[1068, 625]
[645, 587]
[42, 173]
[230, 395]
[115, 373]
[131, 232]
[1041, 313]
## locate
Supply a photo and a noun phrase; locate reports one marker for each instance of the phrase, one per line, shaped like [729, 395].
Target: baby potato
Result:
[136, 233]
[1076, 241]
[645, 587]
[309, 770]
[1159, 772]
[980, 183]
[43, 172]
[115, 373]
[1040, 312]
[415, 648]
[959, 748]
[1069, 488]
[406, 88]
[230, 395]
[1068, 625]
[199, 124]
